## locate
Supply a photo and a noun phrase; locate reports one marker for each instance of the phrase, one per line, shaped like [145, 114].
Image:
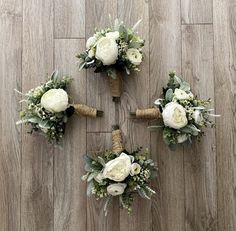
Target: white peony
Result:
[182, 138]
[174, 115]
[134, 56]
[106, 51]
[55, 100]
[197, 116]
[180, 94]
[113, 35]
[116, 189]
[118, 169]
[135, 169]
[90, 42]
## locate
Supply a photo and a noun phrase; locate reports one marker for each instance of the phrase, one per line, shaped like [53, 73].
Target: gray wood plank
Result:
[196, 11]
[200, 158]
[98, 89]
[225, 89]
[69, 18]
[165, 55]
[69, 190]
[96, 220]
[136, 95]
[10, 138]
[37, 155]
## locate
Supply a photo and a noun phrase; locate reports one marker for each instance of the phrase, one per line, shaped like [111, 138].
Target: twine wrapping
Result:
[149, 113]
[116, 85]
[85, 110]
[117, 144]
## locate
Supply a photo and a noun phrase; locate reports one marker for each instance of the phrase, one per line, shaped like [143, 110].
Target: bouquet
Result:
[47, 108]
[183, 115]
[117, 173]
[112, 50]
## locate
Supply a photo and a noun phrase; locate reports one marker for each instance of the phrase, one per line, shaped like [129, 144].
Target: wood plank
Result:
[96, 220]
[37, 155]
[136, 95]
[69, 18]
[200, 158]
[196, 11]
[165, 55]
[98, 89]
[225, 91]
[10, 138]
[69, 190]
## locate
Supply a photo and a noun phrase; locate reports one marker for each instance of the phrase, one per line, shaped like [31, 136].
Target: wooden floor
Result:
[40, 186]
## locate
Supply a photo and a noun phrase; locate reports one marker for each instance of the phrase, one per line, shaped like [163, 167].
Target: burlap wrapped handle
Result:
[116, 86]
[85, 110]
[117, 143]
[149, 113]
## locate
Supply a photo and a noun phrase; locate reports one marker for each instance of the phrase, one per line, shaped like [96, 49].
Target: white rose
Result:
[116, 189]
[118, 169]
[174, 115]
[113, 35]
[134, 56]
[182, 138]
[135, 169]
[90, 42]
[55, 100]
[180, 94]
[197, 116]
[106, 51]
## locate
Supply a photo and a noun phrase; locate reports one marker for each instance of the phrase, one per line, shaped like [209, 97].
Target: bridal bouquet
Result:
[183, 115]
[112, 50]
[47, 108]
[119, 173]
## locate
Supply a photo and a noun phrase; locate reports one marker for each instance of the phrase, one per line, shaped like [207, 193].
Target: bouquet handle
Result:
[117, 142]
[86, 110]
[116, 86]
[149, 113]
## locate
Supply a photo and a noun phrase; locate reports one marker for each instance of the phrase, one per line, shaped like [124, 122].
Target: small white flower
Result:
[182, 138]
[135, 169]
[90, 42]
[116, 189]
[174, 115]
[180, 94]
[118, 169]
[113, 35]
[197, 116]
[99, 178]
[107, 50]
[55, 100]
[134, 56]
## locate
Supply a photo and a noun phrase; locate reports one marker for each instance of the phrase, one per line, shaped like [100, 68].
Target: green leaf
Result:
[107, 203]
[89, 188]
[101, 161]
[169, 95]
[123, 31]
[143, 193]
[185, 86]
[54, 75]
[91, 176]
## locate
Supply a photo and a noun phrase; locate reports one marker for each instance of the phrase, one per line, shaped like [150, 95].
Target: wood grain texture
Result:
[37, 155]
[10, 134]
[69, 190]
[69, 18]
[165, 55]
[196, 11]
[98, 89]
[96, 220]
[200, 159]
[135, 95]
[225, 95]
